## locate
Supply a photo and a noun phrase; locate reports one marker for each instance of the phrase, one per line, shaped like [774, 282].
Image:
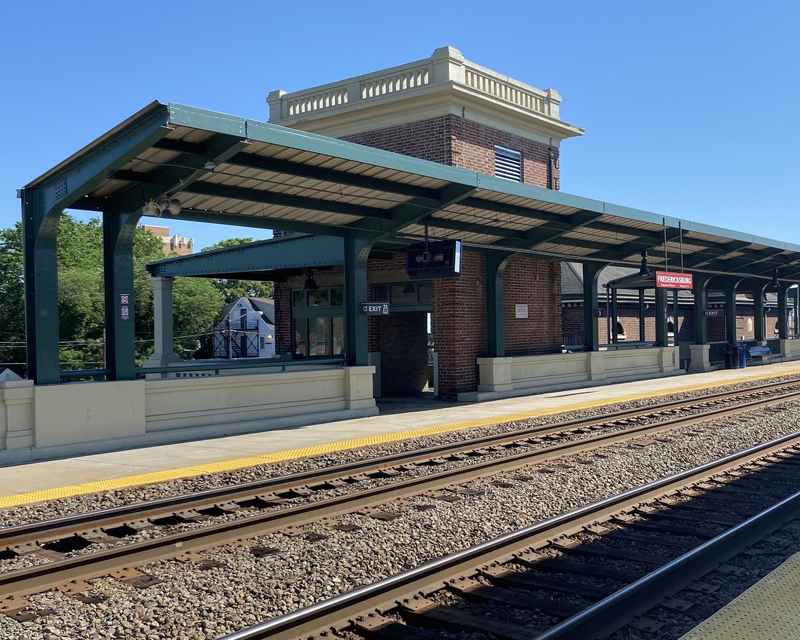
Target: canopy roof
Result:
[230, 170]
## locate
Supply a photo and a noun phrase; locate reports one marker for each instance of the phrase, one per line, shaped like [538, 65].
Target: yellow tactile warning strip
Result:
[769, 610]
[332, 447]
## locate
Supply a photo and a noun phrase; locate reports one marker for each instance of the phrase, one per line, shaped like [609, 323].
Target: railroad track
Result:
[54, 540]
[195, 506]
[594, 569]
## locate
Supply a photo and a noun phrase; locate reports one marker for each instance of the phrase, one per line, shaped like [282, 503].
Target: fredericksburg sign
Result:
[673, 280]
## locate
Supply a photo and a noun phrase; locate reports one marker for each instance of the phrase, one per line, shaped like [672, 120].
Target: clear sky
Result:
[690, 108]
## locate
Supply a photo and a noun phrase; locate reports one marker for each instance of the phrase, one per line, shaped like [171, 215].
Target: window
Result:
[408, 296]
[507, 164]
[621, 332]
[318, 320]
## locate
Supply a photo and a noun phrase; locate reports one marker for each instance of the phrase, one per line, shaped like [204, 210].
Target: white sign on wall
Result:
[521, 310]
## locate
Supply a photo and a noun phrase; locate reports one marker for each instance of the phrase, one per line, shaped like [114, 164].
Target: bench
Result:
[762, 353]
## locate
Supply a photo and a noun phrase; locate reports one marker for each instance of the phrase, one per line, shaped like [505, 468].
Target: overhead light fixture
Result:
[644, 270]
[173, 205]
[157, 208]
[775, 282]
[310, 285]
[151, 208]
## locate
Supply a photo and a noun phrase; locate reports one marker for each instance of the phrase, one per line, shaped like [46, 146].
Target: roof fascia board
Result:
[260, 222]
[291, 253]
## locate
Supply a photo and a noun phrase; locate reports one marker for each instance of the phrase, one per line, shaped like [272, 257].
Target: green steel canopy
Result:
[230, 170]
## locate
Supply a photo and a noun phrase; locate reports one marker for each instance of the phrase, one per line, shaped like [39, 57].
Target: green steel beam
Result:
[550, 231]
[179, 174]
[287, 253]
[700, 292]
[356, 252]
[42, 203]
[415, 210]
[514, 210]
[118, 233]
[457, 225]
[259, 222]
[496, 262]
[783, 329]
[632, 247]
[591, 274]
[662, 330]
[730, 248]
[336, 176]
[734, 264]
[285, 200]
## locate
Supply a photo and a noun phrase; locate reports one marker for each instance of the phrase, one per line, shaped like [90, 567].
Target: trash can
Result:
[731, 356]
[742, 356]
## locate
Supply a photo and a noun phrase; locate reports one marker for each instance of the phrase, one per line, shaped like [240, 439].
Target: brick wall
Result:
[459, 325]
[536, 283]
[459, 142]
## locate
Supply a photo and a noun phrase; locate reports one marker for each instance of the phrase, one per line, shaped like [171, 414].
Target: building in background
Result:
[172, 244]
[247, 329]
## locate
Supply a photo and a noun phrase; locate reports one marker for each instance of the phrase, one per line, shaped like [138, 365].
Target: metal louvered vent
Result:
[507, 164]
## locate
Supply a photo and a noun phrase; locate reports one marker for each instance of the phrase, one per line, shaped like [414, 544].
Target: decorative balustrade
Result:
[446, 67]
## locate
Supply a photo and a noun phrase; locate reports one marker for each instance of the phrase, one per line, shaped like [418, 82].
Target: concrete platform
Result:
[36, 481]
[769, 610]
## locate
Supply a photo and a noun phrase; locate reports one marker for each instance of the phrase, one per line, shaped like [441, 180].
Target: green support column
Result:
[614, 334]
[356, 251]
[700, 293]
[496, 262]
[591, 273]
[758, 313]
[40, 258]
[642, 325]
[783, 333]
[662, 335]
[118, 233]
[730, 311]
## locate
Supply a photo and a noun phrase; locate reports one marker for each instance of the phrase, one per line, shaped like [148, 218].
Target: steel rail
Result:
[59, 528]
[35, 579]
[390, 592]
[612, 613]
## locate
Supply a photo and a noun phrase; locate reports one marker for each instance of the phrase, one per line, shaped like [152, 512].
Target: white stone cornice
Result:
[443, 83]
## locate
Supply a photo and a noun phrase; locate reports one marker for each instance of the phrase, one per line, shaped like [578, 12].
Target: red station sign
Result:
[673, 280]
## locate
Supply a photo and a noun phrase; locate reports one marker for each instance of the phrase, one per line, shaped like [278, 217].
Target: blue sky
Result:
[690, 108]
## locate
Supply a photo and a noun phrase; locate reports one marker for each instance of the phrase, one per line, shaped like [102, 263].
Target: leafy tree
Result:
[197, 304]
[232, 289]
[80, 296]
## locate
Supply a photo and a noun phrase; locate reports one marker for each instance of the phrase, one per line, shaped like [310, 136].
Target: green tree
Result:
[197, 305]
[81, 298]
[232, 289]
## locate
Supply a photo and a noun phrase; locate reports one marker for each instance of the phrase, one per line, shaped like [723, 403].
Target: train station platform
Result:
[37, 481]
[766, 611]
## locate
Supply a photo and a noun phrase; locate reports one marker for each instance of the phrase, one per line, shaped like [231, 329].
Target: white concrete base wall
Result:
[790, 349]
[86, 417]
[518, 376]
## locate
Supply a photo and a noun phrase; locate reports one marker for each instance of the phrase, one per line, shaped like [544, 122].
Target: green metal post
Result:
[496, 262]
[356, 251]
[700, 292]
[40, 259]
[642, 326]
[662, 335]
[118, 233]
[730, 311]
[782, 311]
[591, 273]
[758, 313]
[614, 333]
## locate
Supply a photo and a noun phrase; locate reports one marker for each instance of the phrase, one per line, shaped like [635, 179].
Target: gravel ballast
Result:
[208, 603]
